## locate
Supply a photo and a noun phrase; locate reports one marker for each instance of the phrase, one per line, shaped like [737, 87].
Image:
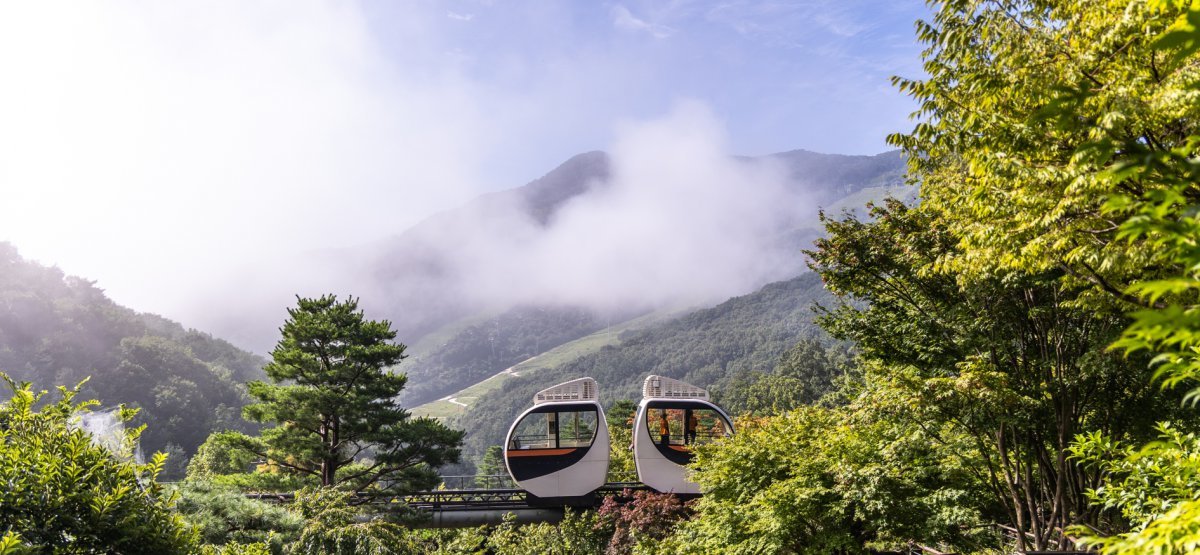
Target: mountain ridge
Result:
[57, 329]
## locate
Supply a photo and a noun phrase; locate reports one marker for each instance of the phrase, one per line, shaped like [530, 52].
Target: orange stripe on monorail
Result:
[539, 452]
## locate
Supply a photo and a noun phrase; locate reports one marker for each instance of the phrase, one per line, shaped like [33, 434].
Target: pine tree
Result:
[332, 402]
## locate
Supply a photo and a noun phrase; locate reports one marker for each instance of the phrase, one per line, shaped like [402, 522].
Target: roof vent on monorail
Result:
[582, 389]
[658, 387]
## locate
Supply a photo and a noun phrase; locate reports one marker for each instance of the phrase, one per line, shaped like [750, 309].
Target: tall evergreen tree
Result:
[332, 402]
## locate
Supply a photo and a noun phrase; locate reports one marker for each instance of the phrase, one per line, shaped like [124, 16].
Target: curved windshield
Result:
[555, 429]
[685, 426]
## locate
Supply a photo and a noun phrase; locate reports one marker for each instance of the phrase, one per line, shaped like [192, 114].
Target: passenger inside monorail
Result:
[683, 427]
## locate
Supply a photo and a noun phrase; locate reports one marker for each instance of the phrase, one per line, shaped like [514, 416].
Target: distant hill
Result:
[834, 176]
[58, 330]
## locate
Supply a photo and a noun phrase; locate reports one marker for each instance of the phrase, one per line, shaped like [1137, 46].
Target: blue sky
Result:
[213, 144]
[780, 74]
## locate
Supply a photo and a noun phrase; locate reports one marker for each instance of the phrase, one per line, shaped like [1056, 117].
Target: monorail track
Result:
[460, 508]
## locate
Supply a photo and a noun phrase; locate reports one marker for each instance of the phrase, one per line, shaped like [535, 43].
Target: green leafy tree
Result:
[577, 534]
[448, 541]
[1013, 360]
[805, 373]
[1153, 487]
[331, 403]
[1155, 199]
[1143, 483]
[230, 459]
[1064, 135]
[64, 494]
[235, 548]
[219, 455]
[843, 480]
[1028, 113]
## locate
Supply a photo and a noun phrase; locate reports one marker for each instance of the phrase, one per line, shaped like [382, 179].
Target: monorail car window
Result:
[578, 428]
[556, 429]
[685, 426]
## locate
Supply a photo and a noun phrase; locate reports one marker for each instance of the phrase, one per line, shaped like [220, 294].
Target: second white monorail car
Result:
[559, 448]
[672, 417]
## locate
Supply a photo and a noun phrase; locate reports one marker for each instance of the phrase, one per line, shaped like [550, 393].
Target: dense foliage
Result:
[335, 527]
[1011, 361]
[223, 515]
[806, 373]
[1059, 142]
[63, 493]
[57, 329]
[821, 480]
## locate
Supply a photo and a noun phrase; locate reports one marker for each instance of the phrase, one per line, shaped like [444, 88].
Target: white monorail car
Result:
[672, 417]
[559, 447]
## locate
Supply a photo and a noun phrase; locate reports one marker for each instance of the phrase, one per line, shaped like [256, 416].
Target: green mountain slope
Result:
[459, 402]
[707, 347]
[478, 348]
[60, 330]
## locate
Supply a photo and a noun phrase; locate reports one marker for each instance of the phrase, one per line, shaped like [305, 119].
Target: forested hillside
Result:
[57, 329]
[482, 349]
[714, 347]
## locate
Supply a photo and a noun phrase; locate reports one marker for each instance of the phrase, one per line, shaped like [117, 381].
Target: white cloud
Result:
[624, 19]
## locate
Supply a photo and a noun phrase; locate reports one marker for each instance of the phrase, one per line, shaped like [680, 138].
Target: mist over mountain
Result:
[561, 241]
[665, 216]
